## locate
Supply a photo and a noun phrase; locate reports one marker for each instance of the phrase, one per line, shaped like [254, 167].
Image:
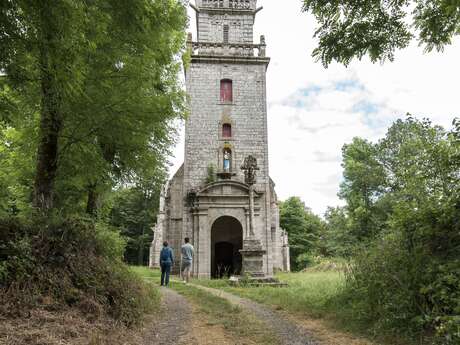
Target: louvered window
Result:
[226, 32]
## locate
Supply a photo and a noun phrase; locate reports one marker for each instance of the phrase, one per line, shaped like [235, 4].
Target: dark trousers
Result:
[165, 271]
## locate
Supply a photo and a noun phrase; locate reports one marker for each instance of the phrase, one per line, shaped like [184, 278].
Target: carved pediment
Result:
[226, 188]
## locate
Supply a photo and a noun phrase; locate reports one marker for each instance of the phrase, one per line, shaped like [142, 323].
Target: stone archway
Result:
[226, 242]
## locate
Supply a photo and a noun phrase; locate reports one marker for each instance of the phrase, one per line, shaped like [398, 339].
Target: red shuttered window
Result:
[226, 90]
[227, 130]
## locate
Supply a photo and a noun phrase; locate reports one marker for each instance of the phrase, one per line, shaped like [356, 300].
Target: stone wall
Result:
[211, 27]
[247, 113]
[174, 212]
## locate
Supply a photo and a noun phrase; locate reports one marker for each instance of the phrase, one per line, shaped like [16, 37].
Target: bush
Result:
[408, 293]
[327, 264]
[72, 262]
[305, 260]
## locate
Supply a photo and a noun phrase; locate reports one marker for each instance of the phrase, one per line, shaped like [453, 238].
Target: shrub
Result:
[72, 262]
[327, 264]
[306, 260]
[409, 293]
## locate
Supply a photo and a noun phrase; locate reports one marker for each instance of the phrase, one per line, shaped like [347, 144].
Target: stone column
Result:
[286, 254]
[152, 255]
[252, 251]
[246, 233]
[155, 247]
[203, 252]
[195, 241]
[251, 211]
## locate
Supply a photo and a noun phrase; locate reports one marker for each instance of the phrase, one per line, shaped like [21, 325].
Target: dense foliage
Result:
[134, 213]
[90, 97]
[304, 229]
[399, 229]
[92, 90]
[353, 29]
[71, 263]
[402, 221]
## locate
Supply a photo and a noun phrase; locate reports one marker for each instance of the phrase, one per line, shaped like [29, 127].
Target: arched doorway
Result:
[226, 242]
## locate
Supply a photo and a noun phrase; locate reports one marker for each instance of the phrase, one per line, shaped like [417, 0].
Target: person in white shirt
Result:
[187, 252]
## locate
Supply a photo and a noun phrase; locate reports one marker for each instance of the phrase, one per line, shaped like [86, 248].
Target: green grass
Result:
[311, 293]
[147, 273]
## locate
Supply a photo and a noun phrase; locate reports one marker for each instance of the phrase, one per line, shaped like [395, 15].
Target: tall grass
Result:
[310, 293]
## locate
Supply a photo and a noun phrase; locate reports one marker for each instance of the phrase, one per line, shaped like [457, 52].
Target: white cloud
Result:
[313, 111]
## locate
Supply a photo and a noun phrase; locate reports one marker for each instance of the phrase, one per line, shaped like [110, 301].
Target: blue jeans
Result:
[165, 271]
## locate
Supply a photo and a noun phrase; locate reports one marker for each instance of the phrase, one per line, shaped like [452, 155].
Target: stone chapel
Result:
[222, 197]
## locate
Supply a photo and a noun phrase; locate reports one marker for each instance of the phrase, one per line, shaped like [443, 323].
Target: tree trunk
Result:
[50, 128]
[140, 253]
[50, 117]
[92, 203]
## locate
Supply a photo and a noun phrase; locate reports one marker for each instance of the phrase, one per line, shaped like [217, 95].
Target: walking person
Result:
[166, 262]
[187, 252]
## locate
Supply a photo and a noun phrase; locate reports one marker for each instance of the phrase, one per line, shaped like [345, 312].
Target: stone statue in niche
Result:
[227, 160]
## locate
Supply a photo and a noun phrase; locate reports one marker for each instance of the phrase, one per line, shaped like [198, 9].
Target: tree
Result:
[363, 186]
[303, 228]
[133, 212]
[407, 275]
[353, 29]
[102, 75]
[338, 240]
[18, 143]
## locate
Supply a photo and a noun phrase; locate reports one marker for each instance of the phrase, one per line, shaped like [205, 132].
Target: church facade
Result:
[208, 199]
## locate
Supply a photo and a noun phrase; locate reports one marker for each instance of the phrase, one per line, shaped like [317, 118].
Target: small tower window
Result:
[226, 31]
[227, 164]
[227, 130]
[226, 90]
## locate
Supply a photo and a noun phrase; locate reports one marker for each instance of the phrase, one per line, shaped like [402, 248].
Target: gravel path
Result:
[173, 326]
[289, 333]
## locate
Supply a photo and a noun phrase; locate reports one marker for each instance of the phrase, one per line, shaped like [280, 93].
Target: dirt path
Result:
[180, 323]
[174, 324]
[288, 331]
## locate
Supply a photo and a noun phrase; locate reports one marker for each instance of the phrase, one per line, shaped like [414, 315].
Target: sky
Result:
[313, 111]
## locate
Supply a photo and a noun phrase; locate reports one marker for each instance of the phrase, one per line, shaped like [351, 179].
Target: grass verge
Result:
[307, 293]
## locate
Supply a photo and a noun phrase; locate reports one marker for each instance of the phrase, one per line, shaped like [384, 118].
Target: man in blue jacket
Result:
[166, 262]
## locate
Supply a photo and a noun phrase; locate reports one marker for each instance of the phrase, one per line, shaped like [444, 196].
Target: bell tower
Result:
[226, 82]
[225, 21]
[223, 198]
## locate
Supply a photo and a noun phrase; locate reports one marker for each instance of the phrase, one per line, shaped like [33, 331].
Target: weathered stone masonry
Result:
[214, 210]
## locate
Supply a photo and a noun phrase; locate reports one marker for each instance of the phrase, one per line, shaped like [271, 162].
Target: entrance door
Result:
[226, 242]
